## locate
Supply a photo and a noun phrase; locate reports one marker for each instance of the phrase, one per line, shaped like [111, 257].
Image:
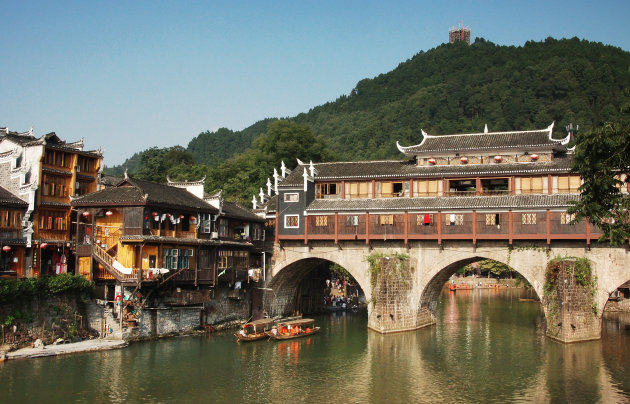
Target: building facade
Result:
[46, 172]
[141, 235]
[514, 185]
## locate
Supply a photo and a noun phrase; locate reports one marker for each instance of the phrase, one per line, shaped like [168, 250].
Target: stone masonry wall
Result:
[391, 310]
[570, 308]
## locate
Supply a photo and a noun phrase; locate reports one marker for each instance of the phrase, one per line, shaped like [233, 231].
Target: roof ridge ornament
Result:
[306, 179]
[275, 180]
[312, 169]
[403, 149]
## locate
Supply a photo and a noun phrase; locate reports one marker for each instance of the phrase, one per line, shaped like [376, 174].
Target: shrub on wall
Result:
[31, 288]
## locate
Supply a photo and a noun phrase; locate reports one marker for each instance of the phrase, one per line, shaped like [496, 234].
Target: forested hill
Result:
[456, 88]
[453, 88]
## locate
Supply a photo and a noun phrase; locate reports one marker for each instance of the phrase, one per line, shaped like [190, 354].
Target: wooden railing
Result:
[108, 263]
[439, 226]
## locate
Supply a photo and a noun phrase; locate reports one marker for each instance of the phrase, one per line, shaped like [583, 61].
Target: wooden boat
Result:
[461, 286]
[254, 330]
[293, 329]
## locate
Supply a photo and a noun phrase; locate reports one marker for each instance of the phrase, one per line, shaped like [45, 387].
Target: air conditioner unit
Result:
[214, 235]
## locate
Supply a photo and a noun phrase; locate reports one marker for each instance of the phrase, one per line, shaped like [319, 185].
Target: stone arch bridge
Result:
[431, 265]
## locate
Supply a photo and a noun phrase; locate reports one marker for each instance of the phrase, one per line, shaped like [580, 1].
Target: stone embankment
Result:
[62, 349]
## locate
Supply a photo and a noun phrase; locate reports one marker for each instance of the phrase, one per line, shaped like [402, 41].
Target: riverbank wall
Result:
[224, 309]
[47, 318]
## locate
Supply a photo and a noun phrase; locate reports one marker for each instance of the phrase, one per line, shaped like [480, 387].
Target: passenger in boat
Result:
[243, 332]
[274, 331]
[308, 330]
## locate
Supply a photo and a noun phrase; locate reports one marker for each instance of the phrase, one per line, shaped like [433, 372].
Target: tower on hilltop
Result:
[459, 33]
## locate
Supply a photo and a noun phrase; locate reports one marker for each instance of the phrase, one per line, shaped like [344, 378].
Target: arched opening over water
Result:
[431, 293]
[307, 286]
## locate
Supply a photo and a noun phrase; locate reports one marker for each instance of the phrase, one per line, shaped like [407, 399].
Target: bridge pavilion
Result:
[451, 200]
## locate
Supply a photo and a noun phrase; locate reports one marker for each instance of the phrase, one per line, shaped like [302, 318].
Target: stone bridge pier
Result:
[411, 303]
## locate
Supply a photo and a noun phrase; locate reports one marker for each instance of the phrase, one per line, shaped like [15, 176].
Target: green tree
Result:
[602, 158]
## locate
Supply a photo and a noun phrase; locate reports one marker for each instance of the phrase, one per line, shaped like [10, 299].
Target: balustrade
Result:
[542, 225]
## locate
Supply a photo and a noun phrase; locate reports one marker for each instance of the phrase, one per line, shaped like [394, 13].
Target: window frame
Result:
[285, 222]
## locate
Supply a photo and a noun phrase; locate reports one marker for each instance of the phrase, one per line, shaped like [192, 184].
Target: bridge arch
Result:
[431, 291]
[282, 291]
[432, 265]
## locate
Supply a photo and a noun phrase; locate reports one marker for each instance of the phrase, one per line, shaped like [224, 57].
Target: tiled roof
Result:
[361, 170]
[236, 211]
[529, 201]
[51, 140]
[521, 140]
[8, 199]
[189, 241]
[139, 192]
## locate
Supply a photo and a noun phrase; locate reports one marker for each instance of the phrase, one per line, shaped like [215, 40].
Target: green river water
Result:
[487, 347]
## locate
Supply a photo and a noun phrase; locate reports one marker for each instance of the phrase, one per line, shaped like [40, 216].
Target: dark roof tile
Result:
[529, 201]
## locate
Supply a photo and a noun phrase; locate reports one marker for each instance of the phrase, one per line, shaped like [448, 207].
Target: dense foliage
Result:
[30, 288]
[453, 88]
[488, 268]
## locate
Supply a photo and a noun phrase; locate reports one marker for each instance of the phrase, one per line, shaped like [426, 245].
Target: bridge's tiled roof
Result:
[509, 140]
[362, 170]
[529, 201]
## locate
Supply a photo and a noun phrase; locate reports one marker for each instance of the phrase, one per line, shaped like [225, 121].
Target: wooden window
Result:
[291, 221]
[532, 185]
[358, 189]
[321, 220]
[567, 218]
[352, 220]
[425, 219]
[528, 218]
[327, 190]
[569, 184]
[453, 219]
[392, 189]
[493, 219]
[256, 233]
[224, 230]
[425, 188]
[291, 197]
[386, 220]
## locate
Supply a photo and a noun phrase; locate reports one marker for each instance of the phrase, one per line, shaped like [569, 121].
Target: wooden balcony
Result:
[439, 226]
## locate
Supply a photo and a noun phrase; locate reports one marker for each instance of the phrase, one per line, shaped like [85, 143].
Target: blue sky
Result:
[129, 75]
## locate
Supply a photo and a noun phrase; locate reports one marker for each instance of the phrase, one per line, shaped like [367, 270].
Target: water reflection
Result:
[488, 346]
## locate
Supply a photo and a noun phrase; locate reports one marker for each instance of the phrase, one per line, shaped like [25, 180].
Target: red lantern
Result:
[181, 216]
[464, 160]
[192, 218]
[431, 161]
[86, 214]
[154, 214]
[168, 215]
[498, 159]
[109, 213]
[6, 248]
[534, 157]
[44, 245]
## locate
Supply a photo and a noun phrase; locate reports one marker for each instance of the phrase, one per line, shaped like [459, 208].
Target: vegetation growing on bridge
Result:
[577, 271]
[385, 269]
